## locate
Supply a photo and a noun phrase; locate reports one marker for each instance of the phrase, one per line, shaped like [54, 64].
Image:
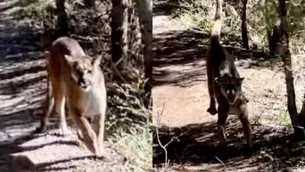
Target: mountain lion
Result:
[224, 83]
[78, 80]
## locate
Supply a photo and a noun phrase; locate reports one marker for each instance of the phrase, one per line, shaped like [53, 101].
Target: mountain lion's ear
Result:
[222, 80]
[70, 59]
[240, 80]
[97, 61]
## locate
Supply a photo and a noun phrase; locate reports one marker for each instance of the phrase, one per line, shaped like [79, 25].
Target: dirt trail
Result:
[21, 79]
[180, 100]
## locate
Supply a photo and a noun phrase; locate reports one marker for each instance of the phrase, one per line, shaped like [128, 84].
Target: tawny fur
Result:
[77, 80]
[224, 82]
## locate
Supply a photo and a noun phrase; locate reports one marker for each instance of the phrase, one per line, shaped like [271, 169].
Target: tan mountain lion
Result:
[77, 80]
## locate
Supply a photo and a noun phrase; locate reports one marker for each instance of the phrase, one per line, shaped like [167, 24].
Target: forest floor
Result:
[180, 101]
[22, 93]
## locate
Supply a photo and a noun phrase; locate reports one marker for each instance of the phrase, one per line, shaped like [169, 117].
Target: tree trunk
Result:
[244, 30]
[273, 39]
[302, 113]
[272, 51]
[62, 19]
[145, 17]
[89, 3]
[283, 51]
[119, 32]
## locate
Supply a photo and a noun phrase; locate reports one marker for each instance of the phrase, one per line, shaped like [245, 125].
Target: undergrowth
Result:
[128, 126]
[262, 15]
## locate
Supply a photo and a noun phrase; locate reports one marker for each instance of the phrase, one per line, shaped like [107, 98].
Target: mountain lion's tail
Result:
[215, 35]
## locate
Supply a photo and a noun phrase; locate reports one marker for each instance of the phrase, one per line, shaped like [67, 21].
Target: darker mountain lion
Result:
[224, 83]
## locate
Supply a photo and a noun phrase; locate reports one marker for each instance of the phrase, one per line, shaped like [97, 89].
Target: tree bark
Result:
[89, 3]
[273, 39]
[119, 32]
[283, 51]
[145, 17]
[62, 19]
[302, 113]
[244, 29]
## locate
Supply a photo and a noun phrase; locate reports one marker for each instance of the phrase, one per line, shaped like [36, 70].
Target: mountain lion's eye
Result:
[79, 72]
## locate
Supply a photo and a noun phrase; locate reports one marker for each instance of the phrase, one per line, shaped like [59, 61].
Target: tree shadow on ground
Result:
[178, 47]
[196, 144]
[10, 164]
[18, 121]
[165, 7]
[183, 50]
[17, 8]
[18, 125]
[179, 57]
[19, 118]
[21, 76]
[22, 81]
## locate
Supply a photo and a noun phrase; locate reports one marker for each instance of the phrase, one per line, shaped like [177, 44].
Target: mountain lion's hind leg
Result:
[212, 108]
[60, 110]
[243, 117]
